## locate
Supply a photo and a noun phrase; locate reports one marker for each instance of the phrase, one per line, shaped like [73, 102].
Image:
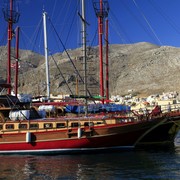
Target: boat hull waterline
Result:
[122, 136]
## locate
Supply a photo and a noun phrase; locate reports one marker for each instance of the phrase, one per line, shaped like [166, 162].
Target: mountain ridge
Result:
[142, 67]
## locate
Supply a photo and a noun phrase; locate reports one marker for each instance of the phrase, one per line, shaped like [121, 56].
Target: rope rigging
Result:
[77, 72]
[61, 73]
[165, 16]
[70, 29]
[122, 34]
[37, 32]
[119, 33]
[146, 20]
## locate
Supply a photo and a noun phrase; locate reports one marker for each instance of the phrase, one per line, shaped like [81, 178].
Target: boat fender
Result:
[79, 132]
[28, 137]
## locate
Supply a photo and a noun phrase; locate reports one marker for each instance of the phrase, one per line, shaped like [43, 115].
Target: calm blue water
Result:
[163, 164]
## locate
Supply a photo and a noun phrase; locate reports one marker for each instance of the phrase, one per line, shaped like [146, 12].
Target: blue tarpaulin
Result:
[94, 108]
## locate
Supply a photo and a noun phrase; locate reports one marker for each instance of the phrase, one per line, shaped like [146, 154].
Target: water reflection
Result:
[152, 164]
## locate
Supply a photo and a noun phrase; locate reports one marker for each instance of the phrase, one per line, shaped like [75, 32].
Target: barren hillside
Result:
[142, 67]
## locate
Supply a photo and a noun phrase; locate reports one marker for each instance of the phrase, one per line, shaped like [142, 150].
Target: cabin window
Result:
[48, 125]
[60, 125]
[22, 126]
[99, 122]
[34, 126]
[89, 124]
[74, 124]
[9, 126]
[1, 126]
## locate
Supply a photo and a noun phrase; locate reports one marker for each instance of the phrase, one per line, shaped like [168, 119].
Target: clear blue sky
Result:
[130, 21]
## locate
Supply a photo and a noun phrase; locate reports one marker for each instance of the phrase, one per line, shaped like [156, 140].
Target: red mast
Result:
[107, 63]
[11, 17]
[17, 64]
[101, 10]
[10, 24]
[100, 29]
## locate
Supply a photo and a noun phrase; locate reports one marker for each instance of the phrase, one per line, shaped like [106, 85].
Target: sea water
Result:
[163, 163]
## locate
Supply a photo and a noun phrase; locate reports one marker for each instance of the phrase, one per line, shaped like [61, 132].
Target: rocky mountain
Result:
[142, 68]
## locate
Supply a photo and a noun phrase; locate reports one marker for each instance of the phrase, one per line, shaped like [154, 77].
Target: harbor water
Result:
[163, 163]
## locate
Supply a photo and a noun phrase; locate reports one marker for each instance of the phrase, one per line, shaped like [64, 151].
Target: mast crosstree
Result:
[12, 17]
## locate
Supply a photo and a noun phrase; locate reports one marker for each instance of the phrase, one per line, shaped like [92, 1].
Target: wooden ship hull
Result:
[165, 133]
[59, 136]
[24, 131]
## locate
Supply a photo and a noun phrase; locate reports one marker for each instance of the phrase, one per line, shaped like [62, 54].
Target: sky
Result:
[130, 21]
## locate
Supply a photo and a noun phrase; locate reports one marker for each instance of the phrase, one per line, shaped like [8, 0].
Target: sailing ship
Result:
[25, 130]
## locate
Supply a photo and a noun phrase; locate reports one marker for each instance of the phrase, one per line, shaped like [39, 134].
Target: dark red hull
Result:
[107, 137]
[164, 133]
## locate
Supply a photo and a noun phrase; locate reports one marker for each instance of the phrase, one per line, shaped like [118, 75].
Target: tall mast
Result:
[101, 10]
[46, 56]
[17, 59]
[10, 24]
[84, 51]
[100, 30]
[107, 63]
[11, 16]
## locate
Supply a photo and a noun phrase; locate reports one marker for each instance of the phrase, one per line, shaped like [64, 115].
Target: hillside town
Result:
[168, 101]
[164, 100]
